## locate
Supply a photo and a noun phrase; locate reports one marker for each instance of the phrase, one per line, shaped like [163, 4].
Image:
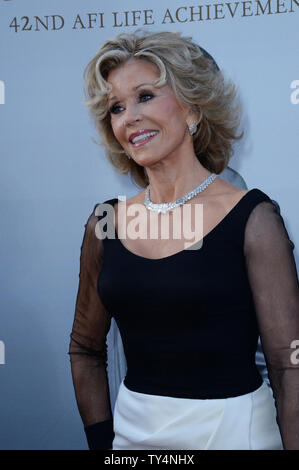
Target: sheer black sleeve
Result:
[273, 279]
[88, 347]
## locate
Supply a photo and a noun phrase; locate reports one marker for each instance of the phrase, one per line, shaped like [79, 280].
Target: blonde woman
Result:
[189, 314]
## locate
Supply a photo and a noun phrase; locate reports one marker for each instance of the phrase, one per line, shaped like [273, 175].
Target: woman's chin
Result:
[145, 160]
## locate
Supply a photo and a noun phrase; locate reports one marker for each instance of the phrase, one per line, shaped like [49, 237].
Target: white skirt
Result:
[145, 422]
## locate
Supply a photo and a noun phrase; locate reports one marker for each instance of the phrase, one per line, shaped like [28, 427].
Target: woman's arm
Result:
[274, 283]
[88, 348]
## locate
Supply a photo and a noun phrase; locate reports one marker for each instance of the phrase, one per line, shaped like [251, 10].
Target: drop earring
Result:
[192, 128]
[127, 155]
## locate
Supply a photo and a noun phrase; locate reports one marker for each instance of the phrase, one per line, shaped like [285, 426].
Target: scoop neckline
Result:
[203, 239]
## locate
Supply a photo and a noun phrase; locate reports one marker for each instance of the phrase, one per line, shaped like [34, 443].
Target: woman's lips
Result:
[143, 138]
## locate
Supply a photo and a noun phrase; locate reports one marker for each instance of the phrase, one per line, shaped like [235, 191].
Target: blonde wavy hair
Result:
[193, 76]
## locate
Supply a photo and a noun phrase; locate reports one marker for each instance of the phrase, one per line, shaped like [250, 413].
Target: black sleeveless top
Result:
[187, 321]
[190, 321]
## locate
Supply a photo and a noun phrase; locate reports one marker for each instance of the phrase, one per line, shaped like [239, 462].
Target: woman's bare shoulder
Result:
[225, 194]
[222, 187]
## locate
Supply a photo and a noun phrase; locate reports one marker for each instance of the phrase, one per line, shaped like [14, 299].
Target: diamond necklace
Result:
[167, 206]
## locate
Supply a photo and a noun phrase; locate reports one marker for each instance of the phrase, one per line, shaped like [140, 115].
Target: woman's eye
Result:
[115, 109]
[145, 97]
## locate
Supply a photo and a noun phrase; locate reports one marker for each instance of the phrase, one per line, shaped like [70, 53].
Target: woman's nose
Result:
[132, 114]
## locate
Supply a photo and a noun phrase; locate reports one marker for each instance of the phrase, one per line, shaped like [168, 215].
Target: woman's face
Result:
[149, 123]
